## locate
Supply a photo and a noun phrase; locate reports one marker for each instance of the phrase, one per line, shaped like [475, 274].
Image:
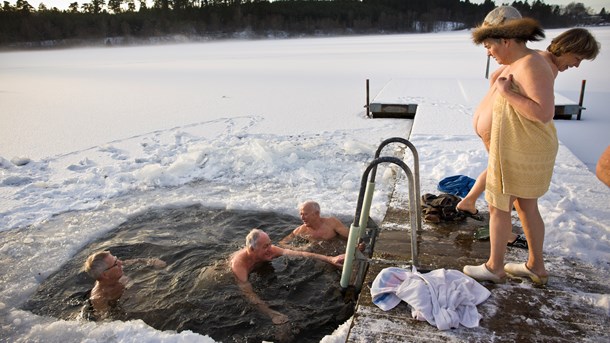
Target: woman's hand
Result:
[503, 84]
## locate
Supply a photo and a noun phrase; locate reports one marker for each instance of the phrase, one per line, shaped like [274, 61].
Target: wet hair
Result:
[577, 41]
[505, 22]
[96, 264]
[252, 238]
[315, 205]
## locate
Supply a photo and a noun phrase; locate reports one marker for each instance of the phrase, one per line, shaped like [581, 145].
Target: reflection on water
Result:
[196, 290]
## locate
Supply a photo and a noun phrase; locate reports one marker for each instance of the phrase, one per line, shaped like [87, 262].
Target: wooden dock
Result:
[572, 307]
[396, 100]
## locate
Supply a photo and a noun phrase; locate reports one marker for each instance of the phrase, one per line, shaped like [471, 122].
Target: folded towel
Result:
[444, 298]
[521, 156]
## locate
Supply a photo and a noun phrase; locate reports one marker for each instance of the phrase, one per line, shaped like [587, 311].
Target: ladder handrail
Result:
[415, 167]
[355, 229]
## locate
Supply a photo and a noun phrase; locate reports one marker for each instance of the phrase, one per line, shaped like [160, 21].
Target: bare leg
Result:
[500, 227]
[533, 226]
[468, 204]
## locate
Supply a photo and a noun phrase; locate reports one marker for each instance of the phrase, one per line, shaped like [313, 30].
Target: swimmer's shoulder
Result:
[300, 230]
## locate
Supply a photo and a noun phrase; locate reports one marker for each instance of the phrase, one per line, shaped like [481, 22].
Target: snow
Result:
[92, 136]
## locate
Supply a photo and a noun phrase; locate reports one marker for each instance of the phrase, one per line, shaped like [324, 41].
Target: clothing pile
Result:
[437, 208]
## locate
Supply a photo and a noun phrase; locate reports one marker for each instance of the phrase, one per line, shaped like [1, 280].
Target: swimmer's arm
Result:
[340, 229]
[336, 261]
[248, 291]
[343, 231]
[285, 242]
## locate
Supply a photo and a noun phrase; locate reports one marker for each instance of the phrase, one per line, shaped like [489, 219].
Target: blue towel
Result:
[458, 185]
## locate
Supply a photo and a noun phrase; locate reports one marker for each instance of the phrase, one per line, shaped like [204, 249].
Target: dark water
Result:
[196, 290]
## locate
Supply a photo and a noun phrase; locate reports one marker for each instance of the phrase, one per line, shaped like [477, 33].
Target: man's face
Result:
[568, 60]
[308, 214]
[495, 48]
[114, 269]
[263, 248]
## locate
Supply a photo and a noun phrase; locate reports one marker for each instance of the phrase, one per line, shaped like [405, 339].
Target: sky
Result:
[93, 136]
[596, 5]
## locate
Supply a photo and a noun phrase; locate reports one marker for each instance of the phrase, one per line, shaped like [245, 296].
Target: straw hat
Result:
[506, 22]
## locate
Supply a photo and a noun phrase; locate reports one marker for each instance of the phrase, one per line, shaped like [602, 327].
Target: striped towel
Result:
[521, 156]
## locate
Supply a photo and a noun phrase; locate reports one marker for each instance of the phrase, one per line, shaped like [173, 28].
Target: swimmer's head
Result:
[96, 264]
[309, 210]
[252, 238]
[311, 205]
[259, 244]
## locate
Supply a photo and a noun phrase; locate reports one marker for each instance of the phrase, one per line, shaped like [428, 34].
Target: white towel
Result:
[445, 298]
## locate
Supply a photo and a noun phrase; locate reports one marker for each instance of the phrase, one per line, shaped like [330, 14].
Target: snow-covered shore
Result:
[90, 137]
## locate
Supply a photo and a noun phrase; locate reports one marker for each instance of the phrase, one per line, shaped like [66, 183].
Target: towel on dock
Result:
[521, 156]
[444, 298]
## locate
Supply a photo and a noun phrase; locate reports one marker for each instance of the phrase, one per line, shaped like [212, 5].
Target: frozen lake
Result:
[91, 137]
[60, 101]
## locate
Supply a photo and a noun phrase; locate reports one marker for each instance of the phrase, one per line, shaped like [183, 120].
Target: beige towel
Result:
[521, 157]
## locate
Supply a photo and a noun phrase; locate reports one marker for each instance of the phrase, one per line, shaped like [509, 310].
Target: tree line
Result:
[124, 21]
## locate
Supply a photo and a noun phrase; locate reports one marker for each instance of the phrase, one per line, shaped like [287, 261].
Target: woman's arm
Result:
[535, 99]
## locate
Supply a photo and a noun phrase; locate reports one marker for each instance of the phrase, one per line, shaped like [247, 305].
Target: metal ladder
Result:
[364, 205]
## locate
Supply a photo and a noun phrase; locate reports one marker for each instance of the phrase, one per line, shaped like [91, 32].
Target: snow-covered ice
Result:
[90, 137]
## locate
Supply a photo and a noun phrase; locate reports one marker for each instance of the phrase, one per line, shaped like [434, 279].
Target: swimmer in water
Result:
[316, 228]
[107, 270]
[258, 250]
